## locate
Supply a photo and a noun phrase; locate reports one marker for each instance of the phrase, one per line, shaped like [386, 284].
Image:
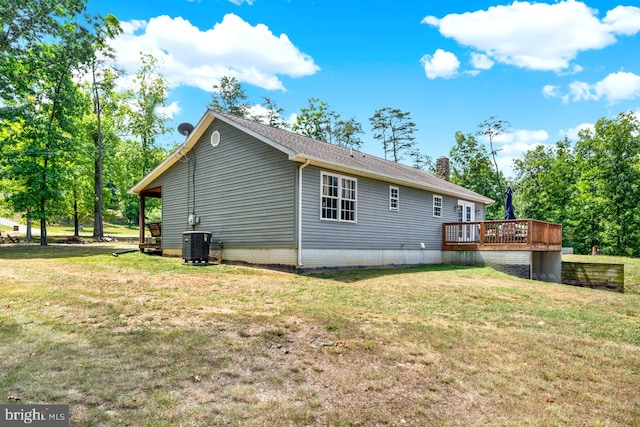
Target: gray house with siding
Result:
[274, 197]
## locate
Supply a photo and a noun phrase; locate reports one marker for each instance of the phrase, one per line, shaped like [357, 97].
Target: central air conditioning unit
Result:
[195, 247]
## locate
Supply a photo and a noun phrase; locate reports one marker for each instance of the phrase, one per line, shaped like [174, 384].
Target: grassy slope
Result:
[142, 340]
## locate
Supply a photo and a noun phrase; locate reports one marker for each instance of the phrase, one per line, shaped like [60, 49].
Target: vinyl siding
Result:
[377, 226]
[244, 192]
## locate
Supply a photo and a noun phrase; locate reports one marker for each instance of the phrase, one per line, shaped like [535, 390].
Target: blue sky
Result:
[549, 68]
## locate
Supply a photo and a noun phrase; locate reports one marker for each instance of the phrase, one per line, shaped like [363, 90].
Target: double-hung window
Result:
[437, 206]
[339, 196]
[394, 198]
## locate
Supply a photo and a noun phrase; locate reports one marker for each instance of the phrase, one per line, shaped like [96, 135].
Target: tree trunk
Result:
[43, 225]
[76, 223]
[43, 203]
[98, 222]
[29, 221]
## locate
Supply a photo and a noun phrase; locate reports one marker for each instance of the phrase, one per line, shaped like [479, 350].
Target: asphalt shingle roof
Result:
[357, 162]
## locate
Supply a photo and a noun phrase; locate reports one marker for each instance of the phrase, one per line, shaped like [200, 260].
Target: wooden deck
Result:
[506, 235]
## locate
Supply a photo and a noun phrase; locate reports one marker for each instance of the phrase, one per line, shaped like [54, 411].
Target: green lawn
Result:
[86, 230]
[141, 340]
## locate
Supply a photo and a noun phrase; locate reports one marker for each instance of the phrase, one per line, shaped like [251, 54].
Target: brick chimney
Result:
[442, 168]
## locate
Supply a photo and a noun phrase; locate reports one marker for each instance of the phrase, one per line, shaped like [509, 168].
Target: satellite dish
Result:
[215, 138]
[185, 128]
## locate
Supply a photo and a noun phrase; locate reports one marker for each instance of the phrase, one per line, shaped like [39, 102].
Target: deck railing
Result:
[518, 234]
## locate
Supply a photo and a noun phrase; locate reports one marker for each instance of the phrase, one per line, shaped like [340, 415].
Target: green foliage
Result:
[28, 27]
[145, 121]
[103, 77]
[319, 122]
[609, 161]
[314, 121]
[45, 120]
[394, 129]
[546, 186]
[591, 189]
[345, 133]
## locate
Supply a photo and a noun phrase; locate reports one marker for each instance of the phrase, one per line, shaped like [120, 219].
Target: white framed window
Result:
[338, 197]
[394, 198]
[437, 206]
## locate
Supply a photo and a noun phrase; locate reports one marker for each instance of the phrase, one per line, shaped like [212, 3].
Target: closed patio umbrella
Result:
[509, 205]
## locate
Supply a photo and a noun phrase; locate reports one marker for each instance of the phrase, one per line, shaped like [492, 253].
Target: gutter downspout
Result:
[300, 211]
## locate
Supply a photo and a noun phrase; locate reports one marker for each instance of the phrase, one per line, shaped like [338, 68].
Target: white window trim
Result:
[391, 198]
[437, 197]
[339, 216]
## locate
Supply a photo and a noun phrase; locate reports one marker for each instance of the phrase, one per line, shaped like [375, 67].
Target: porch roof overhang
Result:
[151, 192]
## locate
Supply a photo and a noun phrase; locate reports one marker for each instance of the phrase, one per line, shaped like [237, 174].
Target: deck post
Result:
[141, 221]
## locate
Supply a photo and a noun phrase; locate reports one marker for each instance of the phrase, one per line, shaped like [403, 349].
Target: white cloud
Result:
[258, 110]
[511, 145]
[623, 20]
[431, 20]
[440, 64]
[615, 87]
[481, 61]
[170, 110]
[189, 56]
[572, 133]
[537, 36]
[550, 91]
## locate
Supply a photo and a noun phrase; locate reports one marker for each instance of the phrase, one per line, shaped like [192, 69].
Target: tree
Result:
[395, 130]
[42, 44]
[609, 159]
[273, 116]
[28, 26]
[44, 140]
[345, 133]
[421, 161]
[314, 120]
[145, 120]
[471, 169]
[546, 179]
[491, 128]
[103, 76]
[228, 97]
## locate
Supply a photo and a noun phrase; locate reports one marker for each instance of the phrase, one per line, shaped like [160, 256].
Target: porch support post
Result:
[141, 222]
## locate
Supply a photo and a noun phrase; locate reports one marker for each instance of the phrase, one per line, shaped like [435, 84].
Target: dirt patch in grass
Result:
[142, 340]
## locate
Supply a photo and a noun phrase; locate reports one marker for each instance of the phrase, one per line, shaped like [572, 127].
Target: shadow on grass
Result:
[52, 251]
[357, 274]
